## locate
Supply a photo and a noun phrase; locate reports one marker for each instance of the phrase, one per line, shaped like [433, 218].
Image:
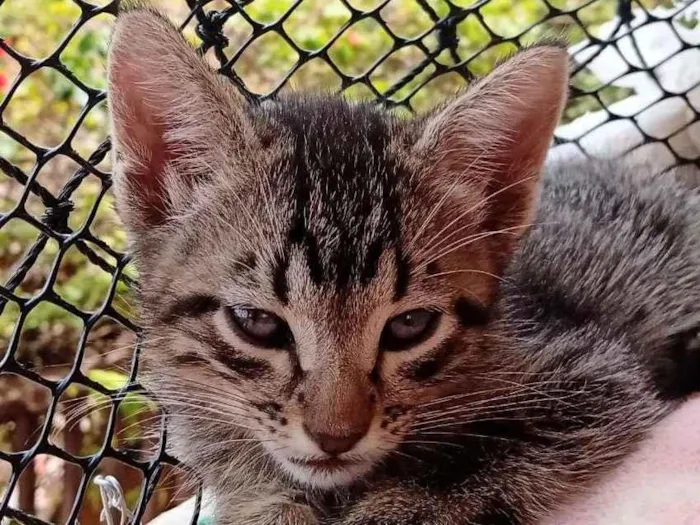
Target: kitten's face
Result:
[314, 273]
[313, 294]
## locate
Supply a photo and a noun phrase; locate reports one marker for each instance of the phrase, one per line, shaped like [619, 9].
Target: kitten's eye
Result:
[409, 329]
[259, 327]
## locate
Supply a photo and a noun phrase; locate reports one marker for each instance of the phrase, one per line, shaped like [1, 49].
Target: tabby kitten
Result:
[349, 317]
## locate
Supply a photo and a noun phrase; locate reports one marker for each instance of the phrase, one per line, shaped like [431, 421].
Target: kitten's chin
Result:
[324, 477]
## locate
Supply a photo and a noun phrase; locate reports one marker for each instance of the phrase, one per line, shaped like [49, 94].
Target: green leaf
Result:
[110, 379]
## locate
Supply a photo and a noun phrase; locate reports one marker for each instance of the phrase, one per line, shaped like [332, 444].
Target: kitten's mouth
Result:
[325, 464]
[325, 473]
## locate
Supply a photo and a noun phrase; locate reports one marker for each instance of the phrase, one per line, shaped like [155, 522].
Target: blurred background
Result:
[68, 326]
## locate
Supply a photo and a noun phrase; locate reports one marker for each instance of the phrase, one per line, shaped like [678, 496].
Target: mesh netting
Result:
[69, 407]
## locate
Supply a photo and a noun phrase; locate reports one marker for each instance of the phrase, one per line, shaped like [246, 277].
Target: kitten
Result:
[351, 318]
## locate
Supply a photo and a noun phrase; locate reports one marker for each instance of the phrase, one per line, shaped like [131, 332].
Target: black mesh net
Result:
[69, 407]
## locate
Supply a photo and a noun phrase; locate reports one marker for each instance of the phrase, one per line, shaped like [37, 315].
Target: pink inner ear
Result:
[140, 138]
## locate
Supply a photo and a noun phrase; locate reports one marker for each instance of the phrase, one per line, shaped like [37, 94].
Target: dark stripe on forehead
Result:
[374, 252]
[392, 205]
[403, 272]
[343, 186]
[279, 279]
[300, 236]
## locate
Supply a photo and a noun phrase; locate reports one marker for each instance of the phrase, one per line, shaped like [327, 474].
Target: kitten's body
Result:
[342, 227]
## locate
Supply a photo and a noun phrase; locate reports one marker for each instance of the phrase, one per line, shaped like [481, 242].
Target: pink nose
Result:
[332, 444]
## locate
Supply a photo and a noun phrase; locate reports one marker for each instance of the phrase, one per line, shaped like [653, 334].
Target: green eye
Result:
[259, 327]
[409, 329]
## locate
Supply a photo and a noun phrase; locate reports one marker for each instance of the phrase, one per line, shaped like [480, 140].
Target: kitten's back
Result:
[615, 247]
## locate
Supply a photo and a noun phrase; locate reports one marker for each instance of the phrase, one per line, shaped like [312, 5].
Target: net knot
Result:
[624, 11]
[210, 29]
[56, 216]
[447, 33]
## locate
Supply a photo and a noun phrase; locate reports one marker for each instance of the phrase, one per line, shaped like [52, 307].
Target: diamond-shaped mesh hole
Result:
[686, 25]
[597, 14]
[313, 23]
[474, 37]
[139, 426]
[509, 19]
[86, 53]
[406, 18]
[604, 64]
[649, 45]
[266, 62]
[49, 340]
[680, 73]
[315, 75]
[45, 96]
[55, 488]
[74, 273]
[35, 278]
[359, 47]
[23, 405]
[665, 117]
[55, 173]
[237, 31]
[16, 154]
[18, 15]
[110, 347]
[8, 324]
[79, 425]
[359, 91]
[396, 68]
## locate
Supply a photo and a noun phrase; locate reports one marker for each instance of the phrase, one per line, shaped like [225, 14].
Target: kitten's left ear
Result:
[492, 141]
[169, 113]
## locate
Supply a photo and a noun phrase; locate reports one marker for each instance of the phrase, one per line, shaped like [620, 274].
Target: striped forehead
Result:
[343, 189]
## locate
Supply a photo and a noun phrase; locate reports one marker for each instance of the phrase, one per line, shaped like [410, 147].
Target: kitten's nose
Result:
[332, 444]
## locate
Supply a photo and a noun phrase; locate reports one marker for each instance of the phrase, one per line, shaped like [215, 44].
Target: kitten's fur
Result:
[553, 357]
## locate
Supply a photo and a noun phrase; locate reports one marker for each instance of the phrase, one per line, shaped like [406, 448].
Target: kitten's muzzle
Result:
[339, 409]
[335, 444]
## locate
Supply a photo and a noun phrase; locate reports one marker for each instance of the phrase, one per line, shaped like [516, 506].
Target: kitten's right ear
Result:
[168, 107]
[492, 141]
